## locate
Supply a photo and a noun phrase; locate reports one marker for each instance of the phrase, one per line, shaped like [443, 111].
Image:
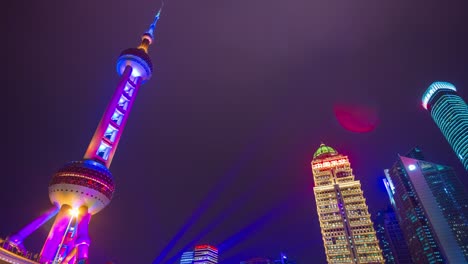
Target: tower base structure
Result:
[78, 190]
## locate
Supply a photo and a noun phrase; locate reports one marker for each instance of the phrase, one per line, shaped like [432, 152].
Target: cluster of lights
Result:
[328, 164]
[74, 212]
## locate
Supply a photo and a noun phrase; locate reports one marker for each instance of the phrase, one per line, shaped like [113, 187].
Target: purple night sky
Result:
[219, 142]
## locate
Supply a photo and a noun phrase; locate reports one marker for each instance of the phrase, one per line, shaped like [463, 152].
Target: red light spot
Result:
[356, 118]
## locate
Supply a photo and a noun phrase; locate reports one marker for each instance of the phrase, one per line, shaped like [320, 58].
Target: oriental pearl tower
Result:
[83, 188]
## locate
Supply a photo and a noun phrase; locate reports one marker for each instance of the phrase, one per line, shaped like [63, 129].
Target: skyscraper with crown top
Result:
[347, 230]
[83, 188]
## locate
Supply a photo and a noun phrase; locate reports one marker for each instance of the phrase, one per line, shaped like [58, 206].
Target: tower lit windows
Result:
[432, 207]
[87, 186]
[111, 133]
[205, 254]
[450, 113]
[128, 89]
[123, 102]
[104, 150]
[347, 230]
[117, 117]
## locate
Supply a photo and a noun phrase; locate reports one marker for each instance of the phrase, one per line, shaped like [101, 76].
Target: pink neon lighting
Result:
[104, 144]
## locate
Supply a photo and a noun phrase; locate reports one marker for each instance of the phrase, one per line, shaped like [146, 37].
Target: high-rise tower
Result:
[347, 230]
[392, 242]
[83, 188]
[187, 257]
[205, 254]
[432, 208]
[450, 113]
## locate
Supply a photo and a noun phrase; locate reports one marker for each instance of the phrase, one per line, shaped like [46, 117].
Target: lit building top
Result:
[323, 151]
[135, 67]
[450, 112]
[435, 88]
[205, 254]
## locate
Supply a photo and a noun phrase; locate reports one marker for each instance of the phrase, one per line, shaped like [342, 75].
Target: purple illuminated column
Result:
[106, 138]
[82, 239]
[70, 257]
[56, 234]
[17, 238]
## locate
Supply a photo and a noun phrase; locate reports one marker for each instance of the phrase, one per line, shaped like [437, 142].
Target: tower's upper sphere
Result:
[79, 183]
[324, 151]
[139, 60]
[434, 89]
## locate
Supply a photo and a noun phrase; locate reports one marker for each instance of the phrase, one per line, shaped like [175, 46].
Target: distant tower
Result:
[205, 254]
[187, 257]
[347, 230]
[83, 188]
[450, 113]
[431, 205]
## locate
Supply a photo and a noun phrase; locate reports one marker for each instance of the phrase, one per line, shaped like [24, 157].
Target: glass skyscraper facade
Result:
[347, 230]
[450, 113]
[392, 242]
[431, 205]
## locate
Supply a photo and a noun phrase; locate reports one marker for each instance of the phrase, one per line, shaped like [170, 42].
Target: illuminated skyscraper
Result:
[432, 208]
[392, 242]
[347, 230]
[83, 188]
[187, 257]
[205, 254]
[450, 113]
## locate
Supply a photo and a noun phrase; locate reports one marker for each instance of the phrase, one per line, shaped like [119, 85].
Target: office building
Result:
[431, 205]
[347, 230]
[450, 113]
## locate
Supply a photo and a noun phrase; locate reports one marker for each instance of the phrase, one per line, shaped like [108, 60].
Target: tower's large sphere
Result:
[139, 60]
[79, 183]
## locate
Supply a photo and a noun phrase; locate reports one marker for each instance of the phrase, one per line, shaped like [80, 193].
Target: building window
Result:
[103, 150]
[117, 117]
[111, 133]
[128, 89]
[123, 102]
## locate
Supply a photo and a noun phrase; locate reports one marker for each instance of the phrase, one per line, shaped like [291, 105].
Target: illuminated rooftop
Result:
[434, 88]
[324, 151]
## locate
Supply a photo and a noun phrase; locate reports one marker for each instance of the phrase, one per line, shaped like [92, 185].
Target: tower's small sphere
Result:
[79, 183]
[139, 60]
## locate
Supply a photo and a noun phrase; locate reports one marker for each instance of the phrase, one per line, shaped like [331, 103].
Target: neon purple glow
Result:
[56, 234]
[102, 148]
[82, 238]
[83, 188]
[18, 237]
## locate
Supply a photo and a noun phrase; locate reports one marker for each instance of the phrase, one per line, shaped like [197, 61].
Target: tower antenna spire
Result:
[148, 36]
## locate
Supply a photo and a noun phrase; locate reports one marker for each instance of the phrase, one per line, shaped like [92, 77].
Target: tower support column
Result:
[82, 238]
[56, 234]
[16, 239]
